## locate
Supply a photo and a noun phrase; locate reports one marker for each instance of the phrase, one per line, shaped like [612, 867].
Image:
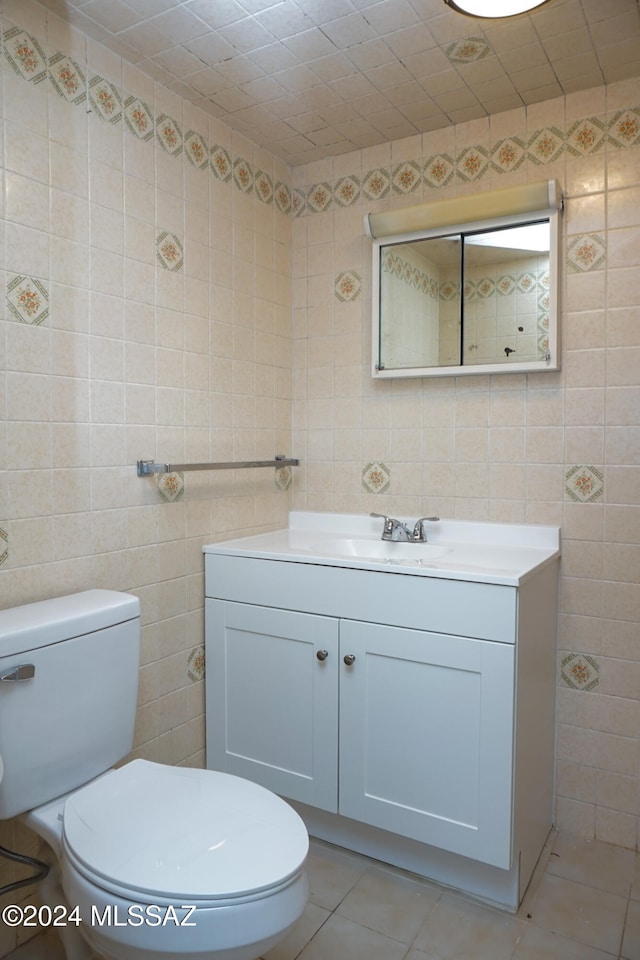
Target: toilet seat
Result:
[182, 835]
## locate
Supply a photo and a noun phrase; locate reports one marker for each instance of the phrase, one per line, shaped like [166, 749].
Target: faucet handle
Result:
[388, 522]
[418, 531]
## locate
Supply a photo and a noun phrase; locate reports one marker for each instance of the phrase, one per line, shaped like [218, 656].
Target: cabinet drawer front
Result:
[485, 610]
[272, 711]
[426, 738]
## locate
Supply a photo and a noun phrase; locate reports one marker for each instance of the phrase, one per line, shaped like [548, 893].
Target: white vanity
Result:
[401, 695]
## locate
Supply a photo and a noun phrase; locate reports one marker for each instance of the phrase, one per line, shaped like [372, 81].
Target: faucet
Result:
[396, 530]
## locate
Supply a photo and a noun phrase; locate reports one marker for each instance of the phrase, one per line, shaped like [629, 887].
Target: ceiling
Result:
[308, 79]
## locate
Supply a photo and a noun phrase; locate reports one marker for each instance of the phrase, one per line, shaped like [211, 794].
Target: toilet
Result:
[150, 861]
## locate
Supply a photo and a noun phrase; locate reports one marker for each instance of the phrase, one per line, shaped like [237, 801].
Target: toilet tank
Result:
[68, 693]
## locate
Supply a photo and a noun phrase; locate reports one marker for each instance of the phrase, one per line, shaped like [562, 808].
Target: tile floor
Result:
[583, 904]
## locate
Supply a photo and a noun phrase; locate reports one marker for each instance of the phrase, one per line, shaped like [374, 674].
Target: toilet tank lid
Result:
[44, 622]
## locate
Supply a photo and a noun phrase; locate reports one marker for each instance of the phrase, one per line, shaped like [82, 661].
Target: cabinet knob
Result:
[322, 655]
[349, 659]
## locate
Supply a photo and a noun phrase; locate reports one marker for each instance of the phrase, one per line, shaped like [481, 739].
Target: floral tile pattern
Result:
[105, 100]
[221, 163]
[348, 286]
[25, 55]
[28, 300]
[196, 664]
[584, 484]
[586, 252]
[347, 191]
[320, 197]
[243, 175]
[586, 137]
[467, 51]
[545, 146]
[472, 164]
[508, 155]
[169, 252]
[284, 478]
[170, 486]
[139, 118]
[439, 170]
[67, 78]
[282, 196]
[580, 671]
[4, 545]
[169, 135]
[406, 178]
[376, 184]
[196, 150]
[376, 477]
[264, 187]
[624, 128]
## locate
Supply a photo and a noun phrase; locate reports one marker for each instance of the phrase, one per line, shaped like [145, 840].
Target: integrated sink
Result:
[388, 551]
[456, 550]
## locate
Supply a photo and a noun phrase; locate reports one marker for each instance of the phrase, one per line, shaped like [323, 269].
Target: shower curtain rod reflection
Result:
[147, 467]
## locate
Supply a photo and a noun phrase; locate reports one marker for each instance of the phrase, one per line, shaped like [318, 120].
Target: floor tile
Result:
[459, 929]
[341, 939]
[300, 934]
[631, 940]
[594, 863]
[538, 944]
[390, 903]
[332, 873]
[579, 912]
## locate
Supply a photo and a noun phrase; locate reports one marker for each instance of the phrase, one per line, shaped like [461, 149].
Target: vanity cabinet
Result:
[408, 716]
[402, 729]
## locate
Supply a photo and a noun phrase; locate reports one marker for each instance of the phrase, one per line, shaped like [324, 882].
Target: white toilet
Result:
[162, 862]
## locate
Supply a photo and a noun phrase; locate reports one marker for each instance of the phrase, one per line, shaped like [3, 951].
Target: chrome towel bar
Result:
[147, 467]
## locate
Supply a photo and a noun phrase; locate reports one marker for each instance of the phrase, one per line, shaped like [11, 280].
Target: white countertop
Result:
[456, 550]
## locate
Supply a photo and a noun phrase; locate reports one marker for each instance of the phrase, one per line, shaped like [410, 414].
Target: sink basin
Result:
[386, 550]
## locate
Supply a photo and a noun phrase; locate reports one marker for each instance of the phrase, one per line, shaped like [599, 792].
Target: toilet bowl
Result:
[214, 861]
[150, 862]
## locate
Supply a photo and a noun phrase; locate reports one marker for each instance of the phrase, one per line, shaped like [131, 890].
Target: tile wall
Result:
[145, 313]
[560, 448]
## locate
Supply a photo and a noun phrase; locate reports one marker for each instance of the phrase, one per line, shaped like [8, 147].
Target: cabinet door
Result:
[272, 704]
[426, 737]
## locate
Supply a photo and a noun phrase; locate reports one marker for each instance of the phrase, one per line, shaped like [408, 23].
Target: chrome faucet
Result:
[396, 530]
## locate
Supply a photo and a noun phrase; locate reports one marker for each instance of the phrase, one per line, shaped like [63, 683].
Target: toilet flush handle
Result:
[24, 671]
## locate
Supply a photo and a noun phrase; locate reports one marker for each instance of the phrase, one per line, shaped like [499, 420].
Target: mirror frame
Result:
[515, 206]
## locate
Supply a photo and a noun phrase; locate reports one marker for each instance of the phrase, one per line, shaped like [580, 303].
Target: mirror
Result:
[480, 299]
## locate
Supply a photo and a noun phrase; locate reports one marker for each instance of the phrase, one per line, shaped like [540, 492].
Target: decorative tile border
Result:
[583, 138]
[545, 146]
[170, 252]
[25, 55]
[4, 545]
[28, 300]
[138, 118]
[584, 484]
[196, 665]
[169, 135]
[376, 477]
[67, 79]
[196, 150]
[170, 486]
[580, 672]
[105, 100]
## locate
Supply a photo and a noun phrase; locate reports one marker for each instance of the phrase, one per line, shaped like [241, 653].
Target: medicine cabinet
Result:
[468, 285]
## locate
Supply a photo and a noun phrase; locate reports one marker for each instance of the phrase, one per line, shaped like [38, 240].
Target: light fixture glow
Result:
[494, 9]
